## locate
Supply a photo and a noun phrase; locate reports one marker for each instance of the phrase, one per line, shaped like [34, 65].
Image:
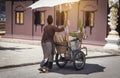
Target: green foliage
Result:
[80, 26]
[73, 34]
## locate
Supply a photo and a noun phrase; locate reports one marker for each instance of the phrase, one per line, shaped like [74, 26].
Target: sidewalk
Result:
[17, 52]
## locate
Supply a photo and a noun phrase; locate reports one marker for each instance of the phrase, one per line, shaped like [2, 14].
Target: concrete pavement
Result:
[18, 52]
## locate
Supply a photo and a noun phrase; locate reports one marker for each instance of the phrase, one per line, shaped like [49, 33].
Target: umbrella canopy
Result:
[50, 3]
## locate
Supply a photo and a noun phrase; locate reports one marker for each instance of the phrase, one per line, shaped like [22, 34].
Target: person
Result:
[48, 45]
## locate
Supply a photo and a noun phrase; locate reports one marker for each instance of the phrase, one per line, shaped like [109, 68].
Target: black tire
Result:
[60, 60]
[79, 60]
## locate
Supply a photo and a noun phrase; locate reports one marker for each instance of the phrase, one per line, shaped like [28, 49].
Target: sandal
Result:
[44, 70]
[40, 69]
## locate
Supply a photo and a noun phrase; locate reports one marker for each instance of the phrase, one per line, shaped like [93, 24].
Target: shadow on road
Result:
[12, 48]
[88, 69]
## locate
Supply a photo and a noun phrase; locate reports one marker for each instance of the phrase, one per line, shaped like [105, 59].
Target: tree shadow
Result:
[88, 69]
[12, 48]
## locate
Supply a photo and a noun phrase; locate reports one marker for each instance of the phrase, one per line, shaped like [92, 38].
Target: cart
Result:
[73, 53]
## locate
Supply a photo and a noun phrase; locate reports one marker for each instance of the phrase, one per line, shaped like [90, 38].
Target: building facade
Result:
[22, 22]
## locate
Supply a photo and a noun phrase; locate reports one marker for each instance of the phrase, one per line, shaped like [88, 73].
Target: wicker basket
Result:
[61, 49]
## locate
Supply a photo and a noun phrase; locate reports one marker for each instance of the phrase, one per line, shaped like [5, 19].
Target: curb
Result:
[92, 57]
[110, 51]
[19, 65]
[33, 42]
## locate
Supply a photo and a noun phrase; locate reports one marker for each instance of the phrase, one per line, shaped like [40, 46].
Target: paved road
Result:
[18, 54]
[107, 67]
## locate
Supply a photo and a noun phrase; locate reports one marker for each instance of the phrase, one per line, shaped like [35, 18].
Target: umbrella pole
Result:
[78, 14]
[54, 15]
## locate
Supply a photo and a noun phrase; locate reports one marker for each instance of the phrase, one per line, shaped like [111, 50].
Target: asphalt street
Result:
[20, 59]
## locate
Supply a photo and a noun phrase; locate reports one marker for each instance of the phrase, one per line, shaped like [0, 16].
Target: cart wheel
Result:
[60, 60]
[79, 60]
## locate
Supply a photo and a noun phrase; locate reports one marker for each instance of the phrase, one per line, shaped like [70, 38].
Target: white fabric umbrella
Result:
[43, 3]
[50, 3]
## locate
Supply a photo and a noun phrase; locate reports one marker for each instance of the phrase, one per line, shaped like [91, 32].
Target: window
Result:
[39, 18]
[61, 17]
[89, 18]
[19, 17]
[42, 14]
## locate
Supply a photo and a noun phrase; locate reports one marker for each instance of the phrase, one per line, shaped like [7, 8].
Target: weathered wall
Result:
[8, 18]
[98, 31]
